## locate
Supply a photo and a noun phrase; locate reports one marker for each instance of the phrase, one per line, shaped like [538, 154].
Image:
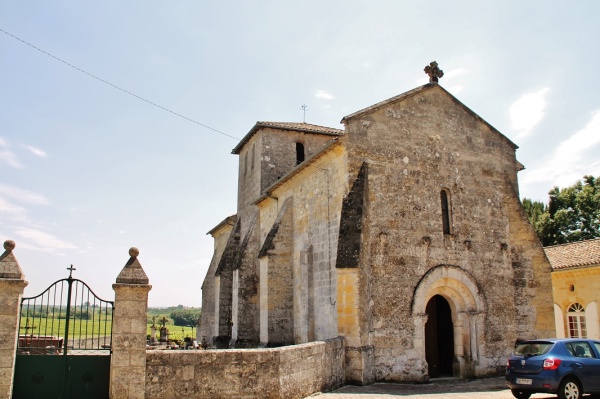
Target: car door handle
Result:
[579, 365]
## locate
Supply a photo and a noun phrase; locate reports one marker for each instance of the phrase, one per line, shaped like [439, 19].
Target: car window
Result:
[597, 345]
[580, 349]
[532, 348]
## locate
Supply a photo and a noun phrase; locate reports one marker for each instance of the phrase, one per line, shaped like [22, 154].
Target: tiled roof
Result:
[294, 126]
[229, 220]
[575, 254]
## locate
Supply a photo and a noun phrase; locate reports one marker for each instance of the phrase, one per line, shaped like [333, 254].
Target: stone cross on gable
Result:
[434, 72]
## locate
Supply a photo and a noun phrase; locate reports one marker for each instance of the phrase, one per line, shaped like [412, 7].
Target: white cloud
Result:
[455, 72]
[10, 159]
[43, 241]
[528, 111]
[456, 89]
[322, 94]
[35, 151]
[7, 156]
[568, 163]
[21, 195]
[8, 209]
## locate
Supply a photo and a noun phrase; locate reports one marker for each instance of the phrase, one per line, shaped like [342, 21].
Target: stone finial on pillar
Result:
[434, 72]
[12, 285]
[9, 267]
[132, 272]
[128, 360]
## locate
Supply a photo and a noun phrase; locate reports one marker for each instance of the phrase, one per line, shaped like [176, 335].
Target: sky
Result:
[117, 118]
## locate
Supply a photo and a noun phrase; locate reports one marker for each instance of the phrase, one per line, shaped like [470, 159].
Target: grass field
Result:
[101, 324]
[56, 327]
[176, 333]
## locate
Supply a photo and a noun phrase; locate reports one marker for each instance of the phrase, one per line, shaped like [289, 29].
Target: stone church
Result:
[402, 232]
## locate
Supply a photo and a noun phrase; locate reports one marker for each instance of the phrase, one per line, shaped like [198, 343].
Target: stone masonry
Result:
[128, 360]
[403, 233]
[12, 285]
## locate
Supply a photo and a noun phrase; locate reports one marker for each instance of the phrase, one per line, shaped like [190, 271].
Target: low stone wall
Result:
[287, 372]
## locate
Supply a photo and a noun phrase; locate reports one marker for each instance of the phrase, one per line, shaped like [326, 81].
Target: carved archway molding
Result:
[468, 304]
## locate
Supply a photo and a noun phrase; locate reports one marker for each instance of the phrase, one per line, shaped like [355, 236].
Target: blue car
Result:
[565, 367]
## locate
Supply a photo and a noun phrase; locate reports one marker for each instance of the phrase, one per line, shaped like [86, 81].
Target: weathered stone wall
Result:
[370, 241]
[224, 280]
[274, 154]
[206, 332]
[276, 275]
[354, 293]
[11, 291]
[249, 178]
[285, 372]
[279, 152]
[12, 284]
[246, 309]
[128, 359]
[317, 192]
[415, 147]
[532, 279]
[265, 158]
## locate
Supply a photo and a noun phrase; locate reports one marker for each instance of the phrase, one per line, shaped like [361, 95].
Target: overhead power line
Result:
[117, 87]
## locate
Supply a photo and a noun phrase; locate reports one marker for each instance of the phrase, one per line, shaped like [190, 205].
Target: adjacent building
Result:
[576, 288]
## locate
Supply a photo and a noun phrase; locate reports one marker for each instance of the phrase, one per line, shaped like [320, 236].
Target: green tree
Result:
[572, 214]
[534, 210]
[185, 317]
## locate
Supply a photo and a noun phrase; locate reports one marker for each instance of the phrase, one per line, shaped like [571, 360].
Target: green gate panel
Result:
[63, 350]
[61, 377]
[38, 377]
[88, 377]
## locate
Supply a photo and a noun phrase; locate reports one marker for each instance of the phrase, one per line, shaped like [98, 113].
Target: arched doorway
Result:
[465, 308]
[439, 337]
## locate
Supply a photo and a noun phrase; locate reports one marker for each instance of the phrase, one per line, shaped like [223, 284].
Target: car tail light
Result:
[551, 364]
[507, 364]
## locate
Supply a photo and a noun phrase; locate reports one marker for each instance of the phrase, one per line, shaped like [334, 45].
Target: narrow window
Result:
[299, 153]
[576, 319]
[245, 163]
[445, 212]
[252, 163]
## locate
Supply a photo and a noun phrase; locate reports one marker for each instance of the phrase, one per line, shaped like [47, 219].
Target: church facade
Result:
[403, 233]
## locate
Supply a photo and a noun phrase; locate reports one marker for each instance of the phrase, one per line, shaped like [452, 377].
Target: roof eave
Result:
[260, 124]
[229, 220]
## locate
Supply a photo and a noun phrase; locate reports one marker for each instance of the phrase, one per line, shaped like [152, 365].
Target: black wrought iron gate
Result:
[64, 348]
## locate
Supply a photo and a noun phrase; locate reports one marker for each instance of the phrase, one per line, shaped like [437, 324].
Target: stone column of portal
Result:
[128, 360]
[12, 284]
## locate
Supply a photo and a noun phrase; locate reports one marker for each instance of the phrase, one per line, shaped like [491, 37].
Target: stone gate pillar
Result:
[128, 361]
[12, 284]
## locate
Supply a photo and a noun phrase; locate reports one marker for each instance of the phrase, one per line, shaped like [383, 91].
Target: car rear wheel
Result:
[520, 394]
[569, 389]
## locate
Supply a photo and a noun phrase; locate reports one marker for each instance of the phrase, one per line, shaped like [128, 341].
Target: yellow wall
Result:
[578, 285]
